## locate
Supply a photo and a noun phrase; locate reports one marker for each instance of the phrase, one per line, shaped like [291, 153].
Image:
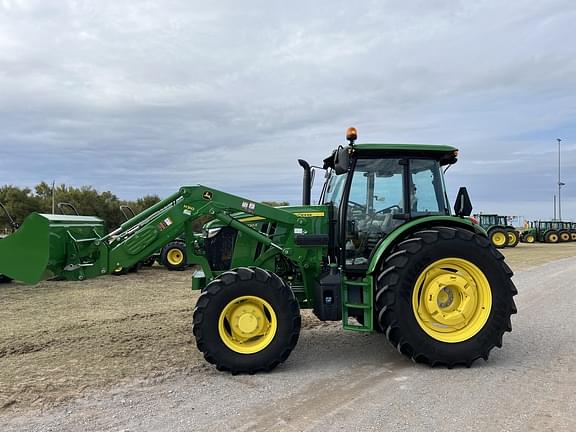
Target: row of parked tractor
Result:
[502, 234]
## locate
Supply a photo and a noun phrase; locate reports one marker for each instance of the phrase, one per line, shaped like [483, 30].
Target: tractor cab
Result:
[376, 188]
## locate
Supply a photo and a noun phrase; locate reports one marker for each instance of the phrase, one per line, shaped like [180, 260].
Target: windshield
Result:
[333, 189]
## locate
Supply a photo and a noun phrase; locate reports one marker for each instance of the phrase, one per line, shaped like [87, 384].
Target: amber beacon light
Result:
[351, 135]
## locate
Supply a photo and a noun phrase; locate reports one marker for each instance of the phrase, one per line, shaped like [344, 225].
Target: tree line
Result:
[20, 202]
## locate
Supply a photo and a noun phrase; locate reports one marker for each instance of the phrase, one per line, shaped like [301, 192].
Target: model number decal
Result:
[248, 206]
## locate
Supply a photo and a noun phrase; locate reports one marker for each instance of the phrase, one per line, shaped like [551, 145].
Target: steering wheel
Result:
[358, 206]
[388, 209]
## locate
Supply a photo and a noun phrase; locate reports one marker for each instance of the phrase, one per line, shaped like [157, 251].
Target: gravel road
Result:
[335, 380]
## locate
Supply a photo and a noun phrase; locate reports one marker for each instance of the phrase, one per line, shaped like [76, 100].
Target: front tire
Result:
[444, 297]
[5, 279]
[498, 237]
[564, 236]
[513, 238]
[247, 320]
[174, 256]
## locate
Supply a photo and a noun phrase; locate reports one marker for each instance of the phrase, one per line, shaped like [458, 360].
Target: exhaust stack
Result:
[306, 182]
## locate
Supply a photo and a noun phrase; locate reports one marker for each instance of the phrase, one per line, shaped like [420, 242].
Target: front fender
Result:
[416, 225]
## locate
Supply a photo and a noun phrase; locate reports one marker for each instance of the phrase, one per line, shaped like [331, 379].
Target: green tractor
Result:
[530, 233]
[500, 233]
[542, 231]
[564, 229]
[380, 252]
[573, 231]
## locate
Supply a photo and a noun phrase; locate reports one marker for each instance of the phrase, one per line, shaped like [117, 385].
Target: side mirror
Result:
[463, 205]
[341, 161]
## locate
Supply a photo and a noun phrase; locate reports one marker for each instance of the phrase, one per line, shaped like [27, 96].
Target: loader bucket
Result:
[46, 245]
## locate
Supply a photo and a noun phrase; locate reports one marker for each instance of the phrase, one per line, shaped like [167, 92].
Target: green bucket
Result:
[48, 246]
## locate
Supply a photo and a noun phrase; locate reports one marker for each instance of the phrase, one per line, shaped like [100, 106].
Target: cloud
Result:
[142, 97]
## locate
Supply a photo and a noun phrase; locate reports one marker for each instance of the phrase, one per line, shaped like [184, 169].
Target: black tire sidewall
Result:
[166, 250]
[492, 330]
[549, 234]
[516, 235]
[282, 302]
[498, 230]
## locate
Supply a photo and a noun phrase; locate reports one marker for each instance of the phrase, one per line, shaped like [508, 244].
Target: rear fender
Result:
[419, 224]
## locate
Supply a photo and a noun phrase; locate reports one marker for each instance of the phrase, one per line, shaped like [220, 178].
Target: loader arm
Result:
[75, 248]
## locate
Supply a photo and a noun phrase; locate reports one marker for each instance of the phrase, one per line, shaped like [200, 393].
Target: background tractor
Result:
[13, 226]
[564, 231]
[380, 251]
[542, 231]
[530, 232]
[500, 233]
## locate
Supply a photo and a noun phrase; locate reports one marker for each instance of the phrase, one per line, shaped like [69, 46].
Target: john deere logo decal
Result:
[207, 195]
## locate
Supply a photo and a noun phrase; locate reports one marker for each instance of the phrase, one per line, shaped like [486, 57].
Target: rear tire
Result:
[498, 237]
[247, 320]
[573, 236]
[551, 237]
[174, 256]
[462, 272]
[513, 238]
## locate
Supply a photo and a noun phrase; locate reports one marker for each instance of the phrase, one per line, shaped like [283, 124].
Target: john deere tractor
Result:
[564, 231]
[500, 233]
[530, 233]
[381, 251]
[543, 231]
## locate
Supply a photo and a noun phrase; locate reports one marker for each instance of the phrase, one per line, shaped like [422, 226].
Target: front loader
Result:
[172, 256]
[381, 252]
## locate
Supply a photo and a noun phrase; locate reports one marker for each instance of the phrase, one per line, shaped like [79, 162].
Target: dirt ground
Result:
[60, 339]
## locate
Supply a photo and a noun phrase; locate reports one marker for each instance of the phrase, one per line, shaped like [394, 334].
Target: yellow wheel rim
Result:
[530, 239]
[565, 237]
[247, 324]
[452, 300]
[499, 239]
[512, 238]
[553, 238]
[573, 236]
[175, 256]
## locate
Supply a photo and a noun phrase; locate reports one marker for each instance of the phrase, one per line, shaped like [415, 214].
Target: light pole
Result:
[560, 184]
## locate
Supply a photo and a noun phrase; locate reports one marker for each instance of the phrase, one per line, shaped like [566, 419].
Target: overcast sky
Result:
[141, 97]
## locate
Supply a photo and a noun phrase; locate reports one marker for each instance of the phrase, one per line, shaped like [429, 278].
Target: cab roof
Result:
[420, 148]
[444, 154]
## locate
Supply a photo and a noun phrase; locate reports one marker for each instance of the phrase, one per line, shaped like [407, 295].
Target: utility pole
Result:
[560, 184]
[53, 198]
[554, 218]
